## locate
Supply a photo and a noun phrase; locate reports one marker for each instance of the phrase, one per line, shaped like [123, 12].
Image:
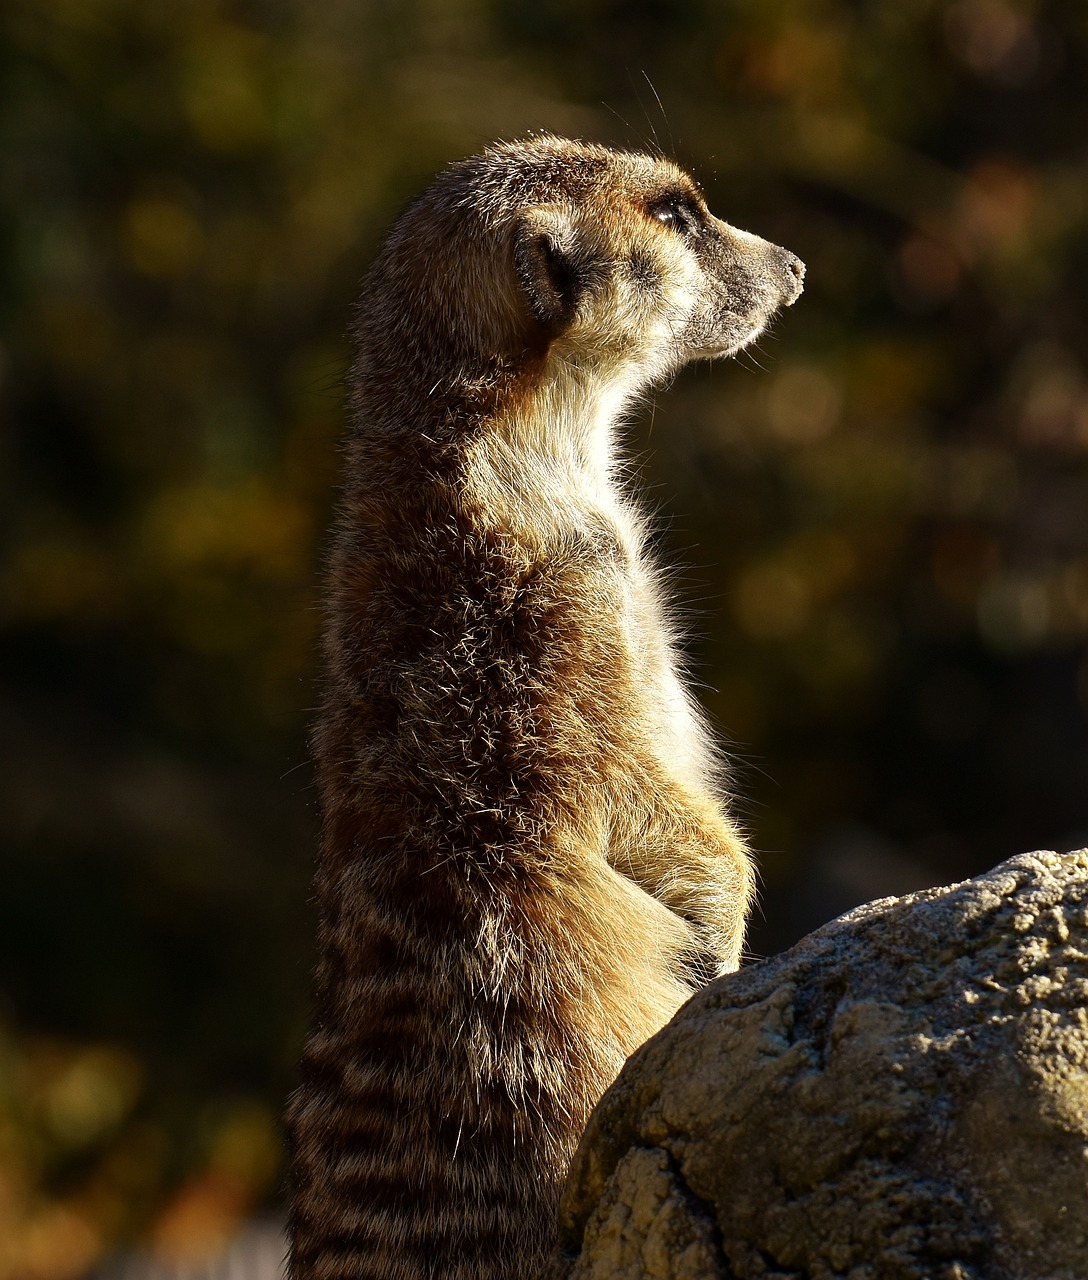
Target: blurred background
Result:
[880, 514]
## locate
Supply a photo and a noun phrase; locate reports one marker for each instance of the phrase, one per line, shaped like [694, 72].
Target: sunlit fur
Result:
[526, 863]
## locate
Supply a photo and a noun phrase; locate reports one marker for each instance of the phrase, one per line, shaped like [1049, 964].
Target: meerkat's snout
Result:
[795, 277]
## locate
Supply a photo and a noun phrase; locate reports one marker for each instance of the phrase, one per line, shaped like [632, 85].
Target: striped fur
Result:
[525, 864]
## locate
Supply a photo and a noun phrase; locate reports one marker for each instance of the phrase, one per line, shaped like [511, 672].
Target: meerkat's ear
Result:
[546, 259]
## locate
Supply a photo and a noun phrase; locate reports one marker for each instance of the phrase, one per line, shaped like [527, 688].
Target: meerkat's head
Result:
[599, 260]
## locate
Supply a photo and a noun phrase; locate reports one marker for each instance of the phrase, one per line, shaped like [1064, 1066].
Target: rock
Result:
[902, 1096]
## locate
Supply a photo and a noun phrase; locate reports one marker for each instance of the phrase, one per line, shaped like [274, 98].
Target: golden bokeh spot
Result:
[836, 139]
[239, 246]
[243, 1158]
[779, 596]
[889, 377]
[975, 481]
[162, 238]
[79, 333]
[201, 1218]
[994, 38]
[1055, 412]
[804, 60]
[244, 526]
[56, 578]
[826, 559]
[1014, 613]
[177, 360]
[930, 269]
[246, 1146]
[94, 1092]
[53, 1243]
[62, 1105]
[1074, 593]
[221, 93]
[772, 601]
[839, 656]
[997, 207]
[803, 404]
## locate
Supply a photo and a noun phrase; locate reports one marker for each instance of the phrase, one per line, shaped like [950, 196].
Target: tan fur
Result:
[525, 864]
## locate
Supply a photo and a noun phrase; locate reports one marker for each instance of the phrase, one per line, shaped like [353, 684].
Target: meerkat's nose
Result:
[795, 282]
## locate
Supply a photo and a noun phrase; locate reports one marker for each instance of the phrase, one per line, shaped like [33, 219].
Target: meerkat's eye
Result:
[677, 213]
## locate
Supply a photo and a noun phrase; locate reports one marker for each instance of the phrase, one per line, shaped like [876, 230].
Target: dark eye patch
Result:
[677, 211]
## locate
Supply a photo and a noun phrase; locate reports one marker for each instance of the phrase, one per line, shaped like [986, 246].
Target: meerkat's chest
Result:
[667, 712]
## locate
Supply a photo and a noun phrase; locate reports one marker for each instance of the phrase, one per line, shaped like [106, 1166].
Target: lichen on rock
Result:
[901, 1096]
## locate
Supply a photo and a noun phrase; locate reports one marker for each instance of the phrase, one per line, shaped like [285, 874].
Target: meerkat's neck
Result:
[549, 457]
[574, 411]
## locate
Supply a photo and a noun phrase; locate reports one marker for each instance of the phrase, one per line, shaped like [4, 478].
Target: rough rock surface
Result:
[902, 1096]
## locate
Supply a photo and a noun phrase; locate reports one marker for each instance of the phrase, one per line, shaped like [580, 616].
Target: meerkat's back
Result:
[526, 863]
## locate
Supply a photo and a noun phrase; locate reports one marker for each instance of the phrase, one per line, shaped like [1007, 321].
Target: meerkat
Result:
[526, 863]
